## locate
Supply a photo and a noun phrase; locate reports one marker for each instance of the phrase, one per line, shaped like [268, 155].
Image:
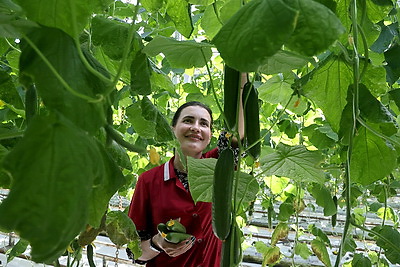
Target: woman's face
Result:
[193, 130]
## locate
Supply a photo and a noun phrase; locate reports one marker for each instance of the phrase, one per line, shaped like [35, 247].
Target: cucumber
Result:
[222, 194]
[176, 237]
[232, 248]
[175, 226]
[252, 119]
[334, 216]
[231, 96]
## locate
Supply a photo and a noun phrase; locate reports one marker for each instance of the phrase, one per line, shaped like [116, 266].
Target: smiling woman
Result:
[162, 194]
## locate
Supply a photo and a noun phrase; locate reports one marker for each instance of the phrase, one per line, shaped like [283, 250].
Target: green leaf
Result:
[8, 91]
[323, 198]
[285, 211]
[71, 16]
[294, 162]
[317, 27]
[372, 159]
[141, 73]
[201, 176]
[180, 13]
[70, 67]
[330, 81]
[393, 65]
[161, 81]
[318, 137]
[359, 260]
[317, 232]
[151, 113]
[104, 186]
[121, 230]
[143, 127]
[5, 180]
[62, 163]
[180, 54]
[111, 35]
[210, 22]
[17, 250]
[13, 26]
[119, 155]
[276, 90]
[229, 8]
[302, 250]
[283, 61]
[393, 236]
[256, 32]
[371, 108]
[152, 5]
[385, 38]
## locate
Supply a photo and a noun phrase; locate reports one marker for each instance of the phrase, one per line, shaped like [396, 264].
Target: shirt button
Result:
[195, 215]
[199, 240]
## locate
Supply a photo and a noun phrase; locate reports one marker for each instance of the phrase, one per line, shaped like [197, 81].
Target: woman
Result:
[162, 193]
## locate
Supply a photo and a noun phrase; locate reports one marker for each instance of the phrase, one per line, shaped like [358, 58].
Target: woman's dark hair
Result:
[189, 104]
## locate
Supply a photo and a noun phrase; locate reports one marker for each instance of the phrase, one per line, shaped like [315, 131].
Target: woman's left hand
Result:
[172, 249]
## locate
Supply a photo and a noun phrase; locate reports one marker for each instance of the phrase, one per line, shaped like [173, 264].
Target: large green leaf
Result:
[283, 61]
[12, 26]
[295, 162]
[111, 35]
[180, 54]
[145, 128]
[104, 186]
[371, 108]
[122, 231]
[89, 115]
[151, 113]
[152, 5]
[256, 32]
[393, 64]
[201, 176]
[71, 16]
[330, 81]
[180, 13]
[141, 73]
[48, 207]
[372, 159]
[324, 199]
[317, 27]
[210, 22]
[393, 236]
[277, 90]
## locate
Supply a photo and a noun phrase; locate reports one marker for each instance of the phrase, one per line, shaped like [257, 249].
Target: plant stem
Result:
[118, 138]
[212, 86]
[356, 77]
[369, 128]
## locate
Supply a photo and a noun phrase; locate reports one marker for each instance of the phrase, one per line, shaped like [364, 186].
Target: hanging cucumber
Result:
[232, 248]
[252, 120]
[334, 216]
[222, 194]
[231, 96]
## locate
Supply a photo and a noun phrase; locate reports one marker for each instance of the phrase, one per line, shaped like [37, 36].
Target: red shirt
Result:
[160, 196]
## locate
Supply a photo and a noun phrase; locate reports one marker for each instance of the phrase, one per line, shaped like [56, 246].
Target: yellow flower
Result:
[154, 156]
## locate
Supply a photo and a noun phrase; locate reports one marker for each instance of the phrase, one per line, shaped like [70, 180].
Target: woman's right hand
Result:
[172, 249]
